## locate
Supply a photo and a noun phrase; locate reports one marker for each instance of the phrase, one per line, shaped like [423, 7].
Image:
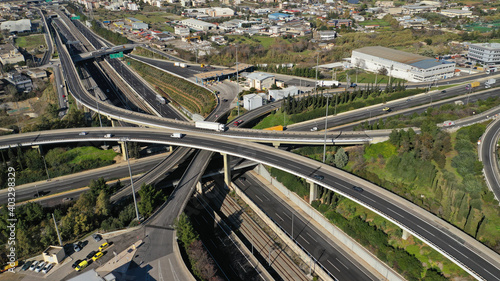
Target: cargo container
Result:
[210, 126]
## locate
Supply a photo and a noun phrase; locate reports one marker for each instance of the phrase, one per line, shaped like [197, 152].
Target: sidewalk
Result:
[120, 262]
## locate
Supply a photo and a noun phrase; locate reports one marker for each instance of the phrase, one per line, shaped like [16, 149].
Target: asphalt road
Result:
[328, 254]
[488, 155]
[429, 228]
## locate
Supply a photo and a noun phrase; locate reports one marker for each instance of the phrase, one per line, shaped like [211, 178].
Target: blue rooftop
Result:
[428, 63]
[279, 15]
[353, 1]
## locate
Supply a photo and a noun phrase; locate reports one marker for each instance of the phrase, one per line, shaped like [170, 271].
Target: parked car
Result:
[81, 265]
[47, 268]
[91, 254]
[96, 237]
[77, 247]
[34, 265]
[103, 246]
[76, 263]
[40, 266]
[97, 256]
[26, 265]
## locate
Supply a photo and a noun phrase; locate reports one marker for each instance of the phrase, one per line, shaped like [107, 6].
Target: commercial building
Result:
[53, 254]
[485, 53]
[455, 13]
[260, 80]
[22, 83]
[139, 25]
[279, 16]
[181, 30]
[199, 25]
[253, 101]
[10, 54]
[220, 12]
[399, 64]
[275, 95]
[17, 26]
[327, 35]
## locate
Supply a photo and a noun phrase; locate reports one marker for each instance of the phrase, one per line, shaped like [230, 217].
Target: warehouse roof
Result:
[428, 63]
[391, 54]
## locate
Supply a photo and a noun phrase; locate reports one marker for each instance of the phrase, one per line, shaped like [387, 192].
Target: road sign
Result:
[48, 0]
[117, 55]
[75, 18]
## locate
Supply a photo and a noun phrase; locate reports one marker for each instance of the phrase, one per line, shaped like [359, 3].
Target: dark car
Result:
[26, 265]
[357, 188]
[96, 237]
[91, 254]
[319, 177]
[443, 91]
[76, 263]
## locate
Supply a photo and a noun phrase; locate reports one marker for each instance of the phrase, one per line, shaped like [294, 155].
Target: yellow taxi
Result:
[97, 256]
[103, 246]
[81, 265]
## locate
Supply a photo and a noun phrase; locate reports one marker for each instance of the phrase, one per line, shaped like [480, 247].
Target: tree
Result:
[428, 41]
[383, 71]
[341, 158]
[185, 230]
[150, 199]
[102, 205]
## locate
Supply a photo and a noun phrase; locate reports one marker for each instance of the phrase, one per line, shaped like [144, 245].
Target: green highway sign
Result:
[75, 18]
[48, 0]
[115, 56]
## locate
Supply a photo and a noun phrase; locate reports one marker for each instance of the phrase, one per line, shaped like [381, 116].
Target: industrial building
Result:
[199, 25]
[260, 80]
[253, 101]
[485, 53]
[17, 26]
[275, 95]
[399, 64]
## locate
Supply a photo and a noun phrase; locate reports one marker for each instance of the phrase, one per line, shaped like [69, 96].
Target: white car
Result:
[47, 268]
[40, 266]
[82, 133]
[33, 265]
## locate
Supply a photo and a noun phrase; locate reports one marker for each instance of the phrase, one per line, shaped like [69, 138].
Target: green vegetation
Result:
[195, 98]
[30, 42]
[151, 198]
[109, 35]
[30, 165]
[140, 51]
[202, 265]
[313, 106]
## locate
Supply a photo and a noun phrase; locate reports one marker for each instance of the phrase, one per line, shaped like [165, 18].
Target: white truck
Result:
[491, 70]
[160, 99]
[326, 83]
[210, 126]
[491, 81]
[176, 135]
[183, 65]
[177, 64]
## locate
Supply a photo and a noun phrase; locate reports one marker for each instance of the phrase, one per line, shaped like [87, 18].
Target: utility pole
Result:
[326, 128]
[317, 63]
[57, 230]
[131, 179]
[237, 82]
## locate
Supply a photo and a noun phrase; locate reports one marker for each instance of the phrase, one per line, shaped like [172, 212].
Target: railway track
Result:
[262, 243]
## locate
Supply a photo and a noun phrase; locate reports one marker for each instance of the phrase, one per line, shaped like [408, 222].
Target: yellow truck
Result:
[475, 84]
[275, 128]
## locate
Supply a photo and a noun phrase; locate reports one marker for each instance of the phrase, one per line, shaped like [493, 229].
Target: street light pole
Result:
[326, 127]
[46, 170]
[237, 81]
[131, 179]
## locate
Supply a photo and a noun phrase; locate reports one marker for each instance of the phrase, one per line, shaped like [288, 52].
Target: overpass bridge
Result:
[104, 51]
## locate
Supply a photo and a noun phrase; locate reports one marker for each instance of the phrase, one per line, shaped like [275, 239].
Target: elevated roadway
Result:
[478, 260]
[488, 154]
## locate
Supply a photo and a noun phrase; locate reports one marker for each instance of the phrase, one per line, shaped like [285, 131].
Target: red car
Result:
[237, 123]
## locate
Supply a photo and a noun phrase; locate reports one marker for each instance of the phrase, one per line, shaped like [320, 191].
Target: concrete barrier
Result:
[348, 242]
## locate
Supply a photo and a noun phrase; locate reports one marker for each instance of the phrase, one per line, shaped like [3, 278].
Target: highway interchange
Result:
[438, 234]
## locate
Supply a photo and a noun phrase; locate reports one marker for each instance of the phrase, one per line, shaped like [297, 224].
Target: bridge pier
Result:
[124, 151]
[39, 148]
[276, 144]
[227, 170]
[406, 234]
[313, 191]
[113, 123]
[199, 188]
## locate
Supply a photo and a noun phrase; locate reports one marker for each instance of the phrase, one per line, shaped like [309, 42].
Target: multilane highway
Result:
[468, 253]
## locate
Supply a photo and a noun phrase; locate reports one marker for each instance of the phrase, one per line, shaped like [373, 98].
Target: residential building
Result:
[10, 54]
[23, 25]
[416, 9]
[36, 73]
[220, 12]
[327, 35]
[384, 4]
[275, 95]
[485, 53]
[399, 64]
[260, 80]
[339, 22]
[132, 6]
[22, 83]
[279, 16]
[53, 254]
[181, 30]
[199, 25]
[455, 13]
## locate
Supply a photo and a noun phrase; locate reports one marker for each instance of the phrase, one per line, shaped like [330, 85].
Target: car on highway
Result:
[224, 100]
[314, 129]
[66, 199]
[40, 266]
[26, 265]
[34, 265]
[82, 133]
[237, 123]
[81, 265]
[103, 246]
[387, 109]
[76, 263]
[97, 256]
[318, 177]
[91, 254]
[443, 91]
[96, 237]
[47, 268]
[108, 135]
[357, 188]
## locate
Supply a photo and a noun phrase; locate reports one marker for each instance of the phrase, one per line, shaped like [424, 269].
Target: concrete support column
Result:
[124, 151]
[171, 148]
[39, 148]
[313, 191]
[227, 170]
[406, 234]
[199, 188]
[276, 144]
[113, 123]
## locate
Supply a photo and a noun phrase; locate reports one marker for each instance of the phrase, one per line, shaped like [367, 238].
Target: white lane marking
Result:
[242, 267]
[425, 230]
[279, 217]
[311, 237]
[213, 243]
[395, 212]
[304, 239]
[221, 241]
[342, 263]
[366, 197]
[287, 215]
[259, 198]
[204, 219]
[333, 265]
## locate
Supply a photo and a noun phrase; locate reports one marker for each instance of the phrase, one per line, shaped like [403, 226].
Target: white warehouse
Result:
[399, 64]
